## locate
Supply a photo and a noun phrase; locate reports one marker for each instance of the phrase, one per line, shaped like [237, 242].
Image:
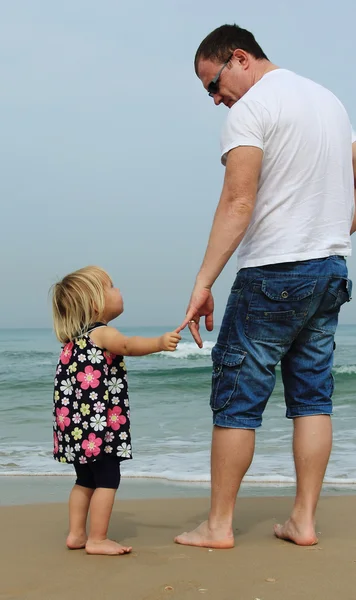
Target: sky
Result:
[110, 145]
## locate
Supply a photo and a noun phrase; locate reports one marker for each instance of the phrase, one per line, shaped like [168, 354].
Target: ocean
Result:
[170, 414]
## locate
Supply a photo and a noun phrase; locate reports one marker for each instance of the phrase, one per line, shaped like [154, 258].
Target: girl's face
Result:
[114, 304]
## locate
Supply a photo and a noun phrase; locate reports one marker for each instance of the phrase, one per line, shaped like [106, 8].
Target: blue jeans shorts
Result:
[285, 313]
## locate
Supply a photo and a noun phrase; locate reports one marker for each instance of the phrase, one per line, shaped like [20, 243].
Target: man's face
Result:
[233, 81]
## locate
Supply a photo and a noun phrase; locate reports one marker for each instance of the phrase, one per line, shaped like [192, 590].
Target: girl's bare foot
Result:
[76, 542]
[107, 546]
[290, 531]
[205, 537]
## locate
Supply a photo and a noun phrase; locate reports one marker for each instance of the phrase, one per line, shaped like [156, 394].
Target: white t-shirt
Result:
[305, 199]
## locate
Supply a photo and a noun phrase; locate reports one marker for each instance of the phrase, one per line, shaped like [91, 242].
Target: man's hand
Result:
[201, 304]
[169, 341]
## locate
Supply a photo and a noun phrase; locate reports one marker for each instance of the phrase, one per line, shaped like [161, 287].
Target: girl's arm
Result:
[117, 343]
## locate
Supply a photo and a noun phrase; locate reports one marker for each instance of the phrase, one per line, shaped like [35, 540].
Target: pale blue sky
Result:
[110, 146]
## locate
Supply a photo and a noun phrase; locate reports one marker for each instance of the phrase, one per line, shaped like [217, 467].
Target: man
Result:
[287, 203]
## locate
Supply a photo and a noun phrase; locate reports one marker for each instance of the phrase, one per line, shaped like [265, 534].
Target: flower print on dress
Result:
[91, 446]
[66, 387]
[89, 378]
[109, 357]
[85, 409]
[66, 353]
[115, 385]
[98, 422]
[115, 418]
[88, 413]
[69, 453]
[62, 417]
[109, 436]
[95, 355]
[123, 365]
[76, 418]
[124, 450]
[77, 433]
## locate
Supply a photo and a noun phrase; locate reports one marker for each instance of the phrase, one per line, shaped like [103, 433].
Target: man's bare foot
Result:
[106, 547]
[205, 537]
[76, 542]
[290, 531]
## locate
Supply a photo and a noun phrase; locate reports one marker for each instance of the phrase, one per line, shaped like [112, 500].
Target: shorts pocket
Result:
[278, 308]
[227, 362]
[343, 293]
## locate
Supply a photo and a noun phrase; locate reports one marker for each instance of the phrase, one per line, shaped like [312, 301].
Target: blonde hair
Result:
[78, 300]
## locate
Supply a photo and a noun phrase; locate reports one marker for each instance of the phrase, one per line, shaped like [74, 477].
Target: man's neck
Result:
[262, 67]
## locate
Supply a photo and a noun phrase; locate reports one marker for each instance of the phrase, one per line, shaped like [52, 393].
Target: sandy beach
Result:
[36, 565]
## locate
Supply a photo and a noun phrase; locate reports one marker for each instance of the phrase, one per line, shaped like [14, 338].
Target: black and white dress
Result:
[90, 404]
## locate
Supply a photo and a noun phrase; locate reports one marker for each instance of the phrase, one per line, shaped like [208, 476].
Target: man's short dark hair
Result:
[221, 42]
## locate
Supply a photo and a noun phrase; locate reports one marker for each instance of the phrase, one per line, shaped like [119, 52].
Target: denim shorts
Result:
[285, 313]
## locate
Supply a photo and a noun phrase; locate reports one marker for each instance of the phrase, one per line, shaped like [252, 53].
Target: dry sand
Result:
[36, 565]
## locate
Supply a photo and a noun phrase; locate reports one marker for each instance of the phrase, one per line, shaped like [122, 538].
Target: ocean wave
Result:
[30, 354]
[262, 480]
[189, 350]
[345, 370]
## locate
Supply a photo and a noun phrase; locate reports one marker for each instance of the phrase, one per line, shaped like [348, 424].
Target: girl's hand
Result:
[169, 341]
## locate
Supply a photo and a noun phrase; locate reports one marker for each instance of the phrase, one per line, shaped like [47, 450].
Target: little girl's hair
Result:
[78, 300]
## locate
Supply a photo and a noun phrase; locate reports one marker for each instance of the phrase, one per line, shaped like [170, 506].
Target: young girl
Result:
[91, 406]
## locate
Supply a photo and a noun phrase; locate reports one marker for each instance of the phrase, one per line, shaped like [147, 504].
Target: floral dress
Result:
[91, 416]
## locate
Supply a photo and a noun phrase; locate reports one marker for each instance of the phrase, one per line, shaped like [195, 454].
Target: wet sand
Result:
[36, 565]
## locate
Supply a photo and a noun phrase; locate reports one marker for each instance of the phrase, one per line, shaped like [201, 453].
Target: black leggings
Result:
[104, 473]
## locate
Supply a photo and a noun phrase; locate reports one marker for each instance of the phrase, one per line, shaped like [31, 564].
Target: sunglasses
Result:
[213, 87]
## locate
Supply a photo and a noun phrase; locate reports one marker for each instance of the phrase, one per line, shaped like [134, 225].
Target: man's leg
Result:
[312, 443]
[231, 455]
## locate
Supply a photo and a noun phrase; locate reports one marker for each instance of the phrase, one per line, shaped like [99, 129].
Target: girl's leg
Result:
[79, 501]
[107, 479]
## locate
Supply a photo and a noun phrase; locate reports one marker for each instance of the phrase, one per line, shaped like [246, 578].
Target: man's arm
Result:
[353, 226]
[234, 211]
[231, 220]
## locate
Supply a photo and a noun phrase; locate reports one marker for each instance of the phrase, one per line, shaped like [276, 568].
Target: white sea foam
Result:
[264, 480]
[345, 369]
[190, 350]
